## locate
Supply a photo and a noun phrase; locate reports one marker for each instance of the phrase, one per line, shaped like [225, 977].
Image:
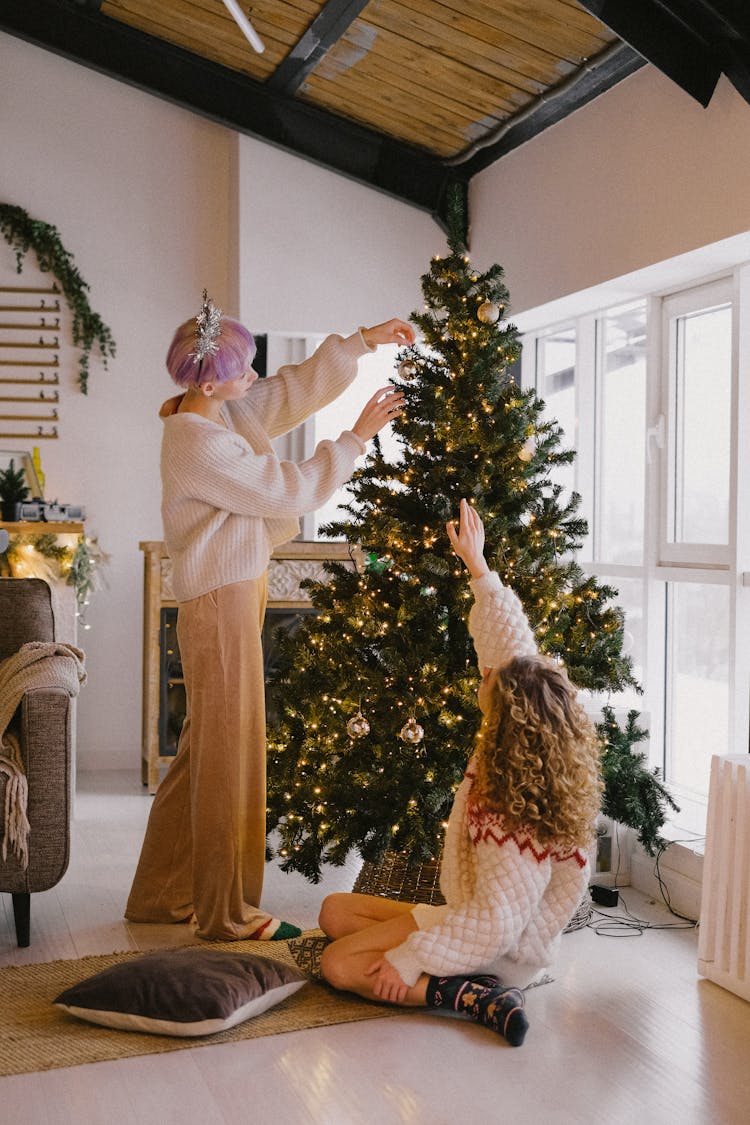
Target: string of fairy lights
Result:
[74, 559]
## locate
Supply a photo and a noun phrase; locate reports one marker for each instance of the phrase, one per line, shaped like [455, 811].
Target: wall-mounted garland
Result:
[23, 234]
[44, 556]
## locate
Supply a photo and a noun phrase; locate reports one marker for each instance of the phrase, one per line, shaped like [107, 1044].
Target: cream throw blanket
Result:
[39, 664]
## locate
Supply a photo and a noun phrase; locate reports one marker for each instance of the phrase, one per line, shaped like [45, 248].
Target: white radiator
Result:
[724, 934]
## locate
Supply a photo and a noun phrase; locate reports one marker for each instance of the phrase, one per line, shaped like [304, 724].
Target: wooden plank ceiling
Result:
[437, 76]
[412, 97]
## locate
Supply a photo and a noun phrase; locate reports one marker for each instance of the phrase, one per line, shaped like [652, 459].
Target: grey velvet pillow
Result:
[181, 992]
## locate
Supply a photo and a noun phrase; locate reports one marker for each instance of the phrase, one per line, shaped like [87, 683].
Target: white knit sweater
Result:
[227, 499]
[508, 898]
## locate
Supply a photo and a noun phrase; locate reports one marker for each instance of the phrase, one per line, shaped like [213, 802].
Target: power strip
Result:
[604, 896]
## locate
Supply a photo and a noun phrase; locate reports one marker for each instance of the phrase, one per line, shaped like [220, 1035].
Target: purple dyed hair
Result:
[235, 352]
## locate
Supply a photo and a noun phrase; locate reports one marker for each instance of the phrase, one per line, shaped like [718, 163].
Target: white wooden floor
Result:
[627, 1032]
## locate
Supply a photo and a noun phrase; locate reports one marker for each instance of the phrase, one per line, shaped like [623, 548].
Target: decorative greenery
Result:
[633, 794]
[85, 572]
[23, 234]
[43, 556]
[13, 487]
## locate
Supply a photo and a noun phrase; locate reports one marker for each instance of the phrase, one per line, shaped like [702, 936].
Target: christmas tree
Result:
[374, 696]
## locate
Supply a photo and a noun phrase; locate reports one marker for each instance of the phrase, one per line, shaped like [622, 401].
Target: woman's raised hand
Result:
[385, 404]
[393, 331]
[468, 540]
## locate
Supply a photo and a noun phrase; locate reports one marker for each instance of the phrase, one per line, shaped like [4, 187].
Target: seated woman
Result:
[515, 863]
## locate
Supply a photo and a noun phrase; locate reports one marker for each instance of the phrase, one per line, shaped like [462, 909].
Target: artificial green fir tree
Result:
[634, 795]
[375, 696]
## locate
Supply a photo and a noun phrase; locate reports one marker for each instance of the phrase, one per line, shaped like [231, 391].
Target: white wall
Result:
[639, 175]
[148, 198]
[322, 253]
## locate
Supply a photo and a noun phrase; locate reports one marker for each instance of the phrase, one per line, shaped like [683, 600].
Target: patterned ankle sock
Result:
[500, 1009]
[274, 930]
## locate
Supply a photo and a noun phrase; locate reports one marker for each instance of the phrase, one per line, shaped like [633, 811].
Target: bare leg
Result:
[343, 914]
[345, 961]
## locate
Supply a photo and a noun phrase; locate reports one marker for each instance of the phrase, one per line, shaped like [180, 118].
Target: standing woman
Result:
[227, 501]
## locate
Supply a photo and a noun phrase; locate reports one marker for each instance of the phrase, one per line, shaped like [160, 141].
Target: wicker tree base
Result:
[394, 878]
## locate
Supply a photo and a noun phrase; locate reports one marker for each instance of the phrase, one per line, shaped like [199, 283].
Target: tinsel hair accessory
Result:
[207, 330]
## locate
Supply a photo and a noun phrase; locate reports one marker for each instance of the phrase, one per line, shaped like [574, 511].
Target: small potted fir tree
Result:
[13, 491]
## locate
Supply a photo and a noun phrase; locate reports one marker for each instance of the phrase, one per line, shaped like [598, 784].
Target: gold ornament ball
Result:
[407, 368]
[358, 726]
[488, 312]
[411, 732]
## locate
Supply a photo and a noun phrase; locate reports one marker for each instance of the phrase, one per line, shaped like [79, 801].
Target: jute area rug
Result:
[35, 1035]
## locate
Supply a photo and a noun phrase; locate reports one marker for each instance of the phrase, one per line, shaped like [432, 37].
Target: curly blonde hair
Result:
[538, 756]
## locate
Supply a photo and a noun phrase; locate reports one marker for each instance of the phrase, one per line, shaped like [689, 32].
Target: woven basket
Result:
[394, 878]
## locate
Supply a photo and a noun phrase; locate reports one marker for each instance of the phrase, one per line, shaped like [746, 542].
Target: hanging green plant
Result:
[23, 234]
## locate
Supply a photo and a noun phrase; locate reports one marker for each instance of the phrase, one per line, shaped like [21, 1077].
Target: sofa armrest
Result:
[46, 736]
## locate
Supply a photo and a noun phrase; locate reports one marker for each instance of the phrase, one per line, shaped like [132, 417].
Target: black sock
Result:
[495, 1007]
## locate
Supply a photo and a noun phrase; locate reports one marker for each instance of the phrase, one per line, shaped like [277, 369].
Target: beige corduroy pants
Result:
[204, 849]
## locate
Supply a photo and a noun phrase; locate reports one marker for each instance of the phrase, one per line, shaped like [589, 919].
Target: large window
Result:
[374, 371]
[645, 393]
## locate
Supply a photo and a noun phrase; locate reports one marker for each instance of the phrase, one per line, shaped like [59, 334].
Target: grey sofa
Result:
[43, 724]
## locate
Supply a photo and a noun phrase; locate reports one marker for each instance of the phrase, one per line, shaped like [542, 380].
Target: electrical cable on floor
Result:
[628, 924]
[662, 885]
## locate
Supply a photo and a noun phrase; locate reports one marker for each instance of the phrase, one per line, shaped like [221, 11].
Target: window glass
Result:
[620, 445]
[630, 600]
[375, 369]
[701, 396]
[697, 682]
[556, 384]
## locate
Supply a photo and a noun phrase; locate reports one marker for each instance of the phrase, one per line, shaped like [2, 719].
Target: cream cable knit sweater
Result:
[227, 499]
[508, 899]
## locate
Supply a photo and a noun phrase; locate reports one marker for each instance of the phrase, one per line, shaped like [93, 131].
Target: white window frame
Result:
[728, 564]
[696, 298]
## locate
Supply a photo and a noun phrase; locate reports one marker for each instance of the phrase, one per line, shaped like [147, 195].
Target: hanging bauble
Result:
[411, 732]
[527, 450]
[358, 726]
[488, 312]
[407, 368]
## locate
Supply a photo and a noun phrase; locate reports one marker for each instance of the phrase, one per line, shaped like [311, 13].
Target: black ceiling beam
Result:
[691, 41]
[601, 74]
[232, 99]
[725, 17]
[331, 22]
